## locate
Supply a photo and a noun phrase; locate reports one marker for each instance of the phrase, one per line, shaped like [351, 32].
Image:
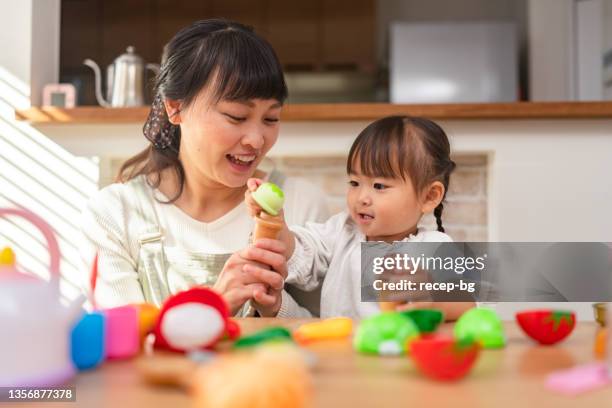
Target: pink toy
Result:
[30, 309]
[122, 332]
[126, 327]
[579, 379]
[193, 319]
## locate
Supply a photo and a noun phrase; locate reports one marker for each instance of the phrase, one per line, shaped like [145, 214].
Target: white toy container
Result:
[35, 327]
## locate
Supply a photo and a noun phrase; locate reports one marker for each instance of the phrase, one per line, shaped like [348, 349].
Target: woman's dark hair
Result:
[404, 146]
[225, 55]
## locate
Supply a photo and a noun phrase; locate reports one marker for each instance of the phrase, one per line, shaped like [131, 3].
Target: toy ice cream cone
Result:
[267, 226]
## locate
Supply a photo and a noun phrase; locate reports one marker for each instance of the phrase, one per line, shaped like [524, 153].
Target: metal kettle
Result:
[125, 85]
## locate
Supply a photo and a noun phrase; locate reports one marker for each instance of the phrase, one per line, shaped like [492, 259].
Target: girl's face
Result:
[385, 209]
[224, 142]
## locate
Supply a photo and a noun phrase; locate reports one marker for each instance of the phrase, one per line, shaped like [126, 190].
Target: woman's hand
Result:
[271, 253]
[237, 285]
[247, 275]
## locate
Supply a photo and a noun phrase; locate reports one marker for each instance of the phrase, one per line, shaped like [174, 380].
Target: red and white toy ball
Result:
[194, 319]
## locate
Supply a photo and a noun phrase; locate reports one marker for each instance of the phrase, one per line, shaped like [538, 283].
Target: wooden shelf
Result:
[342, 112]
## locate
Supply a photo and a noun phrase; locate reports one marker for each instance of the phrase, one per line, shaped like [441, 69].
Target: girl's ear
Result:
[432, 197]
[173, 109]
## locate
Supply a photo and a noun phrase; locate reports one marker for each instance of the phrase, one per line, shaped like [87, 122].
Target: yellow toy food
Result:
[334, 328]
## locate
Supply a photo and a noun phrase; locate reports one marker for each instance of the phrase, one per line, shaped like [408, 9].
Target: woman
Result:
[178, 218]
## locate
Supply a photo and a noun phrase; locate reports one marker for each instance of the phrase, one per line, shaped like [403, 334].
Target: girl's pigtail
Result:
[438, 215]
[438, 210]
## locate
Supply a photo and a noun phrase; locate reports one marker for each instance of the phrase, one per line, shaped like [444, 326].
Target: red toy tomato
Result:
[444, 358]
[547, 326]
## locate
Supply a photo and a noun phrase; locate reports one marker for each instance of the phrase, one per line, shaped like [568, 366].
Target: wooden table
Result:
[511, 377]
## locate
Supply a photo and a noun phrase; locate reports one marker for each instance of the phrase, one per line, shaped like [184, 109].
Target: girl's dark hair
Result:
[225, 55]
[404, 146]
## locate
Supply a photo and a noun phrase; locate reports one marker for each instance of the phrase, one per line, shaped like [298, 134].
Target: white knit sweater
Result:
[331, 253]
[112, 222]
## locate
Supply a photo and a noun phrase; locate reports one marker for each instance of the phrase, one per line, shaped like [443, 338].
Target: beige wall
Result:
[465, 212]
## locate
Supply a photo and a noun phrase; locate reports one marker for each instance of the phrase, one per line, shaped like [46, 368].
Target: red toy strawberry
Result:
[444, 358]
[547, 326]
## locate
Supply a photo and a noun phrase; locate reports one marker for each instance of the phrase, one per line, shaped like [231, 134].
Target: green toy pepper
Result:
[387, 333]
[264, 336]
[427, 320]
[482, 325]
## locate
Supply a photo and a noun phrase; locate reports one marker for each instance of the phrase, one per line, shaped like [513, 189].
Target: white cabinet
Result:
[453, 62]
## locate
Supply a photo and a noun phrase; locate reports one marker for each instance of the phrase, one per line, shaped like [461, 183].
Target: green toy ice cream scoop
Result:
[270, 197]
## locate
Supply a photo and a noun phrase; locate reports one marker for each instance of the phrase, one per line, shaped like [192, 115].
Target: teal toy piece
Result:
[87, 340]
[387, 333]
[264, 336]
[482, 325]
[427, 320]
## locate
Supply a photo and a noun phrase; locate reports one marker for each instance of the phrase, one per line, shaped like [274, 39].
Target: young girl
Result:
[399, 169]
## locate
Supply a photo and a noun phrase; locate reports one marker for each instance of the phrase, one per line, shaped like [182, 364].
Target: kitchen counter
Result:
[346, 112]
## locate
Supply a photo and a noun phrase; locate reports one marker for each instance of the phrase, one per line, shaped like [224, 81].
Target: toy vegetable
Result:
[273, 376]
[147, 317]
[547, 326]
[328, 329]
[482, 325]
[388, 333]
[264, 336]
[601, 341]
[427, 320]
[444, 358]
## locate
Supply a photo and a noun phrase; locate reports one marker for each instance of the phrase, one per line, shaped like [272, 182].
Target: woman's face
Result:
[224, 142]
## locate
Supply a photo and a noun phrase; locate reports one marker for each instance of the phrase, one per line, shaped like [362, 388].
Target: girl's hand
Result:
[252, 185]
